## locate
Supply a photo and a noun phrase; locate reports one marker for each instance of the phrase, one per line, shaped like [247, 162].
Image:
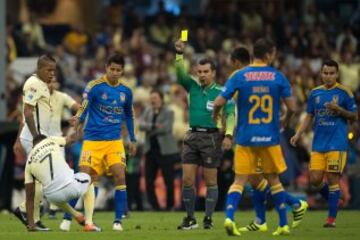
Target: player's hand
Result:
[294, 140]
[132, 148]
[332, 106]
[17, 148]
[179, 46]
[227, 143]
[74, 121]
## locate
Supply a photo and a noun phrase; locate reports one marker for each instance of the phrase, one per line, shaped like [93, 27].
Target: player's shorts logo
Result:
[122, 97]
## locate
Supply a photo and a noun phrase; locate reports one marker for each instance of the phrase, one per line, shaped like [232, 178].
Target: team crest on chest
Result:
[335, 98]
[317, 100]
[122, 97]
[104, 96]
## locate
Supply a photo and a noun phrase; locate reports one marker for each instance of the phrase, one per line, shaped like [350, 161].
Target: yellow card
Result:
[184, 35]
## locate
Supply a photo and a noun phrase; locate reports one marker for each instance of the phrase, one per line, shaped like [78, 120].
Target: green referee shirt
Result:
[201, 101]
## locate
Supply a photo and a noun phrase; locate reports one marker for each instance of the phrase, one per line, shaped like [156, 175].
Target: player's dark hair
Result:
[330, 63]
[263, 46]
[158, 92]
[241, 54]
[116, 58]
[205, 61]
[38, 139]
[44, 59]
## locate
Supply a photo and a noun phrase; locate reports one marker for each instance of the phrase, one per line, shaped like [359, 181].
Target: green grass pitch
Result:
[162, 225]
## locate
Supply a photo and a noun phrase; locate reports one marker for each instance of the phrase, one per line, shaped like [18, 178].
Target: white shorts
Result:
[74, 190]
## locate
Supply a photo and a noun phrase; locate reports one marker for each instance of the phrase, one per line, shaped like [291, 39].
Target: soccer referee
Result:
[203, 142]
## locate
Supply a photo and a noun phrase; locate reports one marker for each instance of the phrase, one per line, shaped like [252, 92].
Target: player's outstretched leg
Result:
[89, 203]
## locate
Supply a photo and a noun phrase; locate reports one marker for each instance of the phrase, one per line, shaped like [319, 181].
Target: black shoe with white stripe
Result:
[188, 223]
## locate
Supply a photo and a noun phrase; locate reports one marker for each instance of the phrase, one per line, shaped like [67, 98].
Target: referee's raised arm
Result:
[183, 78]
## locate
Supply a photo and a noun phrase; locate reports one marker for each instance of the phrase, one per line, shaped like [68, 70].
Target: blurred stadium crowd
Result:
[306, 33]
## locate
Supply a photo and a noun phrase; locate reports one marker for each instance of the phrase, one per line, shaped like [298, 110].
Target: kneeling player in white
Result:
[47, 164]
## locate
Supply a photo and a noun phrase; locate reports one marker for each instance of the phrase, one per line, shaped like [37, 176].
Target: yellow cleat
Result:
[254, 227]
[284, 230]
[231, 228]
[299, 213]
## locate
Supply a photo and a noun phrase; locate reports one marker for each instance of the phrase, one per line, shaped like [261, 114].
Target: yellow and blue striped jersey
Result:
[105, 107]
[330, 129]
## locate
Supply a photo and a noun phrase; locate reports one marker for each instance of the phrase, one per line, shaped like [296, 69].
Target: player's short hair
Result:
[44, 59]
[263, 46]
[330, 63]
[116, 58]
[158, 92]
[241, 54]
[204, 61]
[38, 139]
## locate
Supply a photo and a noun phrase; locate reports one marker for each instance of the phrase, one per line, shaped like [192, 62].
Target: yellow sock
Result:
[89, 204]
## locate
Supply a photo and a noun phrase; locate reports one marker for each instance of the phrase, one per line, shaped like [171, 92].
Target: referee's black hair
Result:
[241, 54]
[330, 63]
[204, 61]
[263, 46]
[116, 58]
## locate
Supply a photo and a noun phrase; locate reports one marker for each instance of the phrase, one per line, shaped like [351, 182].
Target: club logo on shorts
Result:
[122, 97]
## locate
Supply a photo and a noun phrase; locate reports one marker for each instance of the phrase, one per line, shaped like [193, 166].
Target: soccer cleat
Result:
[188, 224]
[253, 227]
[231, 228]
[20, 215]
[299, 213]
[208, 223]
[329, 225]
[91, 228]
[52, 214]
[39, 226]
[117, 226]
[80, 220]
[284, 230]
[65, 225]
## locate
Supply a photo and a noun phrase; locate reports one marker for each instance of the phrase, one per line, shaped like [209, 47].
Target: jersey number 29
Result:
[265, 103]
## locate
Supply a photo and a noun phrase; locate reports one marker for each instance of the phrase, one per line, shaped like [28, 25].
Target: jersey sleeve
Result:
[28, 176]
[86, 101]
[285, 91]
[230, 87]
[230, 117]
[183, 78]
[32, 94]
[69, 101]
[129, 116]
[310, 108]
[350, 104]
